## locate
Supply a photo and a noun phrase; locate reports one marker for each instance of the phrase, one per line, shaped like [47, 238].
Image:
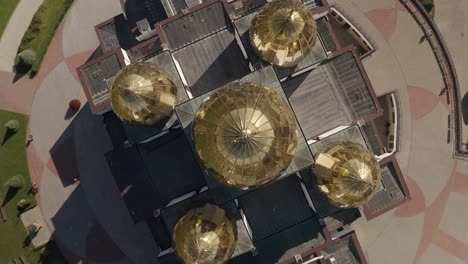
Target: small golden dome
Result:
[245, 134]
[283, 32]
[347, 173]
[142, 93]
[205, 236]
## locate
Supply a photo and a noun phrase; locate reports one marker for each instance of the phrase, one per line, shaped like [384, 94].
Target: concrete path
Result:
[14, 31]
[79, 35]
[34, 217]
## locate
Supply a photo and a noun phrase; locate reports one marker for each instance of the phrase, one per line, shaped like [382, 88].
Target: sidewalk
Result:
[14, 32]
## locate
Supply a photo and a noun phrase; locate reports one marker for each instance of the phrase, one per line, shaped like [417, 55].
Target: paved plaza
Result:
[431, 228]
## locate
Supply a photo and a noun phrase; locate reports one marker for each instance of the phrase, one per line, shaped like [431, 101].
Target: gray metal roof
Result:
[344, 252]
[371, 138]
[352, 134]
[96, 75]
[195, 26]
[326, 35]
[341, 218]
[315, 101]
[290, 242]
[109, 36]
[241, 7]
[172, 7]
[352, 86]
[330, 95]
[263, 207]
[316, 55]
[137, 10]
[133, 183]
[164, 60]
[391, 193]
[242, 26]
[211, 62]
[311, 4]
[171, 165]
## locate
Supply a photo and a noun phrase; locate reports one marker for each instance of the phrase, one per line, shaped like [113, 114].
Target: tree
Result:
[24, 203]
[13, 125]
[26, 59]
[15, 182]
[75, 104]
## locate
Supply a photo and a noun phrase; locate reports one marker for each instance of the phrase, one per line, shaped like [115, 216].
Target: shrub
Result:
[24, 203]
[75, 104]
[13, 125]
[34, 29]
[15, 182]
[26, 59]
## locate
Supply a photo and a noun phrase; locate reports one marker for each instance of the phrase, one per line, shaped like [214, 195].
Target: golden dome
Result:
[283, 32]
[205, 236]
[142, 93]
[347, 173]
[245, 134]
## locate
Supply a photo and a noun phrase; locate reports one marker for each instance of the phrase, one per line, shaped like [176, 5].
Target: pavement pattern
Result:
[431, 228]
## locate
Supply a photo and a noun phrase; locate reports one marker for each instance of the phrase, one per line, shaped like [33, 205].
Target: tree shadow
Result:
[423, 38]
[27, 241]
[465, 108]
[9, 195]
[8, 134]
[70, 113]
[19, 71]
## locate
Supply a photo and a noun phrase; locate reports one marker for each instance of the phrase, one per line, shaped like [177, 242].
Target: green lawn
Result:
[13, 161]
[42, 29]
[6, 10]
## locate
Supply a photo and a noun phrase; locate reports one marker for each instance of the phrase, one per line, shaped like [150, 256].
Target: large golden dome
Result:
[283, 32]
[205, 236]
[143, 94]
[245, 134]
[347, 173]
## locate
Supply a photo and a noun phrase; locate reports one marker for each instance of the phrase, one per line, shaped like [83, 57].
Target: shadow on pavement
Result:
[19, 73]
[91, 225]
[78, 234]
[70, 113]
[76, 229]
[64, 158]
[465, 108]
